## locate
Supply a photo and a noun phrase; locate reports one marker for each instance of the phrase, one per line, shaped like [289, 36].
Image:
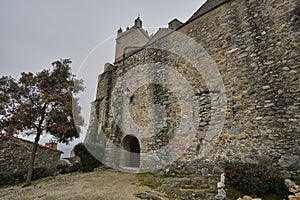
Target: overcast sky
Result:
[34, 33]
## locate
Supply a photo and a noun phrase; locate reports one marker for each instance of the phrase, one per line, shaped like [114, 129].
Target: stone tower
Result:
[131, 39]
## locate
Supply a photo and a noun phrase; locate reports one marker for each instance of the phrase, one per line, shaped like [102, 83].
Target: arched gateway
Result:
[131, 152]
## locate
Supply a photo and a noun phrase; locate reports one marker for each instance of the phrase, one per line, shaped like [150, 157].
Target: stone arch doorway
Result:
[131, 152]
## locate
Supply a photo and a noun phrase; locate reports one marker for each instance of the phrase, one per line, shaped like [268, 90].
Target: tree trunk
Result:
[32, 157]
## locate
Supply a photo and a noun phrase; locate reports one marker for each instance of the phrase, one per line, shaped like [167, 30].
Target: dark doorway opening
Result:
[131, 154]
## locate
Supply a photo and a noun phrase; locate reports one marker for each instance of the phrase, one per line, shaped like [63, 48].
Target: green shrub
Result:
[254, 179]
[88, 161]
[65, 169]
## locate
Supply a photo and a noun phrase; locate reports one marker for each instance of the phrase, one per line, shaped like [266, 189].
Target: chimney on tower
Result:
[138, 23]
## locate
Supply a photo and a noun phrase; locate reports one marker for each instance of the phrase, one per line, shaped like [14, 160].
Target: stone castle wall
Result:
[256, 47]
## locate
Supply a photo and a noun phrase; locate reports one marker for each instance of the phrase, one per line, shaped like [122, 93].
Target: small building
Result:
[15, 154]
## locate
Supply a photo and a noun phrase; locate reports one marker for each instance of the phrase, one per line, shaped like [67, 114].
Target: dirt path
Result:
[100, 184]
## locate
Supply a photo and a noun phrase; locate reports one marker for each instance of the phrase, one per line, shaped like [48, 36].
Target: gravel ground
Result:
[101, 184]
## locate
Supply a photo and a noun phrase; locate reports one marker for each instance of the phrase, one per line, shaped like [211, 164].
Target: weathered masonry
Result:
[255, 46]
[14, 159]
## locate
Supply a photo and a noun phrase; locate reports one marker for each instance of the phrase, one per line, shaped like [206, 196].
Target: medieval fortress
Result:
[223, 86]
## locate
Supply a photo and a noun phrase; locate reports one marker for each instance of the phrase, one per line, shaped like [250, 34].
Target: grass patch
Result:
[153, 180]
[149, 179]
[175, 175]
[145, 174]
[49, 178]
[297, 182]
[233, 194]
[151, 184]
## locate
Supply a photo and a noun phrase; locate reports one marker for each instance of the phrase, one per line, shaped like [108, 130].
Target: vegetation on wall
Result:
[88, 161]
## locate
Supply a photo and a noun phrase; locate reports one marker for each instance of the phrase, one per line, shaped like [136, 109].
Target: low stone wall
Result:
[14, 159]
